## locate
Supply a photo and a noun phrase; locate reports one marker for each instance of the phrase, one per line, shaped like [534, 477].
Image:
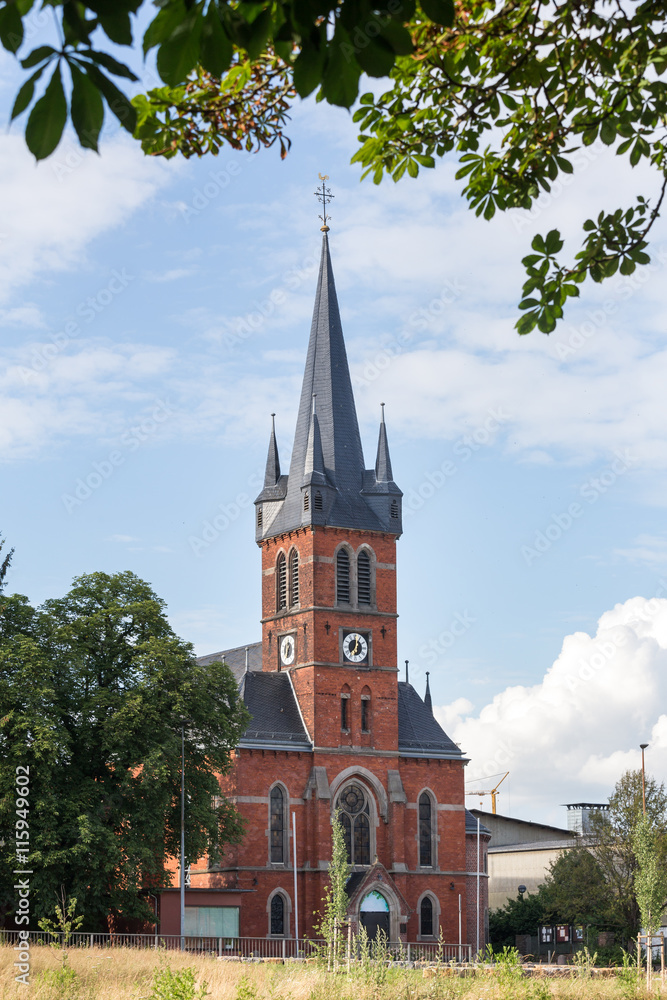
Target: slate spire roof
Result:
[383, 473]
[327, 455]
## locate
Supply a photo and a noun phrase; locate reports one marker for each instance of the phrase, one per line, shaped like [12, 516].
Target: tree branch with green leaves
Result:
[514, 89]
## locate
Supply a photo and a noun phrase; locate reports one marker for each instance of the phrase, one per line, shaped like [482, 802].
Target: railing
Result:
[241, 948]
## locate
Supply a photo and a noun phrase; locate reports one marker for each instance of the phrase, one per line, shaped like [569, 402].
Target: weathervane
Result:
[324, 196]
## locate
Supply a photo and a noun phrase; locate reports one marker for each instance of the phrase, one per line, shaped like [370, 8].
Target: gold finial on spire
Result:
[324, 196]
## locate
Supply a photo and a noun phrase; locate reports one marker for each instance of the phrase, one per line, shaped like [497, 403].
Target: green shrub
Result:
[180, 985]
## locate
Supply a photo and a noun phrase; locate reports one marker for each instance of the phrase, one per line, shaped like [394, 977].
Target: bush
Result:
[181, 985]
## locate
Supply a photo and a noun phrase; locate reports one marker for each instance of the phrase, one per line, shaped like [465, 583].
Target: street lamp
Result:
[643, 747]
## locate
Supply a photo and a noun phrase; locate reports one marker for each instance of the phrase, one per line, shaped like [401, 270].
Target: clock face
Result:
[287, 650]
[355, 647]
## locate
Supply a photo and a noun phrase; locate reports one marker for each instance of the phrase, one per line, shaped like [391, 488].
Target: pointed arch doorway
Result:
[374, 914]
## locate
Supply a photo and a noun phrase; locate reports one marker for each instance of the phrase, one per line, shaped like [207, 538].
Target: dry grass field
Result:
[124, 974]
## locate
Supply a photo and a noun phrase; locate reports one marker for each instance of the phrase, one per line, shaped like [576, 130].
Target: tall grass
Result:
[124, 974]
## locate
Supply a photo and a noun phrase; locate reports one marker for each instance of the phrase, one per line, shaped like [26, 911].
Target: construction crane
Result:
[493, 792]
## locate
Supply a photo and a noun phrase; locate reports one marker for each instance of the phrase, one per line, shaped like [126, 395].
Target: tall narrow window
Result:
[426, 917]
[343, 577]
[294, 577]
[306, 501]
[365, 713]
[394, 508]
[425, 831]
[317, 501]
[277, 826]
[281, 582]
[364, 577]
[344, 711]
[278, 914]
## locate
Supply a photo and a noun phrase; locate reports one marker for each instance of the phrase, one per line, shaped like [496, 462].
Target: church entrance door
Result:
[374, 914]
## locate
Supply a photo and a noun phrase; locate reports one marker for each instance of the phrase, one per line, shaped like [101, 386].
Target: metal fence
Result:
[241, 948]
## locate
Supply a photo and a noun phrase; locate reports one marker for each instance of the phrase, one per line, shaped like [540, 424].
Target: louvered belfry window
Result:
[364, 578]
[343, 577]
[281, 582]
[277, 914]
[277, 826]
[317, 501]
[425, 831]
[394, 508]
[294, 577]
[426, 917]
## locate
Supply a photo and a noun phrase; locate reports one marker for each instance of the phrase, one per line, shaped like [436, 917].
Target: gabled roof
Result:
[235, 658]
[471, 825]
[418, 732]
[276, 720]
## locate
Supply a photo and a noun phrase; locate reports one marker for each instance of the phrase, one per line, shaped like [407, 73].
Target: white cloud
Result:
[172, 275]
[27, 315]
[570, 737]
[648, 550]
[52, 210]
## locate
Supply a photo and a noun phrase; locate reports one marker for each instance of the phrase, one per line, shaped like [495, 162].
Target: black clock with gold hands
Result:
[355, 647]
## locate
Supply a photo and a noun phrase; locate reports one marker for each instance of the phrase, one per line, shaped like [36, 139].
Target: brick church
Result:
[333, 727]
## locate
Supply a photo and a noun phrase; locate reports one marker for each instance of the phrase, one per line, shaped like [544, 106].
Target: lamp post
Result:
[183, 838]
[643, 747]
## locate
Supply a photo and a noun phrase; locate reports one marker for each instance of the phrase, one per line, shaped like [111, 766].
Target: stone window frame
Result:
[287, 913]
[434, 831]
[281, 561]
[358, 778]
[286, 832]
[435, 903]
[291, 602]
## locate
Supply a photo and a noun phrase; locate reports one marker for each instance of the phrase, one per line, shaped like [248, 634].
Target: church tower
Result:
[332, 730]
[328, 533]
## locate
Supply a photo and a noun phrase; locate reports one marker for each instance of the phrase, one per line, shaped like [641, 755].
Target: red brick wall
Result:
[471, 863]
[396, 840]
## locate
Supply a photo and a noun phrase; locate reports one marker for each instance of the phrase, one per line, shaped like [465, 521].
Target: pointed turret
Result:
[313, 472]
[380, 491]
[427, 696]
[275, 487]
[383, 473]
[272, 474]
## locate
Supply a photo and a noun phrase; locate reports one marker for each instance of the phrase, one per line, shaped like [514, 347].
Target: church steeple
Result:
[327, 449]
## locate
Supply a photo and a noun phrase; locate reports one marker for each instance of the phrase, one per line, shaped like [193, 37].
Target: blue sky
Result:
[153, 314]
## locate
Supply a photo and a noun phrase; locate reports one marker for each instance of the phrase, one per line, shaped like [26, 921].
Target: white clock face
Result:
[355, 647]
[287, 650]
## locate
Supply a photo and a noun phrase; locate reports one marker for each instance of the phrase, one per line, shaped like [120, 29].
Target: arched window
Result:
[278, 914]
[394, 508]
[366, 710]
[317, 501]
[343, 577]
[426, 917]
[294, 577]
[277, 825]
[306, 501]
[345, 708]
[364, 577]
[425, 830]
[354, 810]
[281, 582]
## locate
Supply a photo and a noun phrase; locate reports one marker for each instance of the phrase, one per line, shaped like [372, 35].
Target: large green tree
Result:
[94, 690]
[613, 842]
[514, 88]
[575, 891]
